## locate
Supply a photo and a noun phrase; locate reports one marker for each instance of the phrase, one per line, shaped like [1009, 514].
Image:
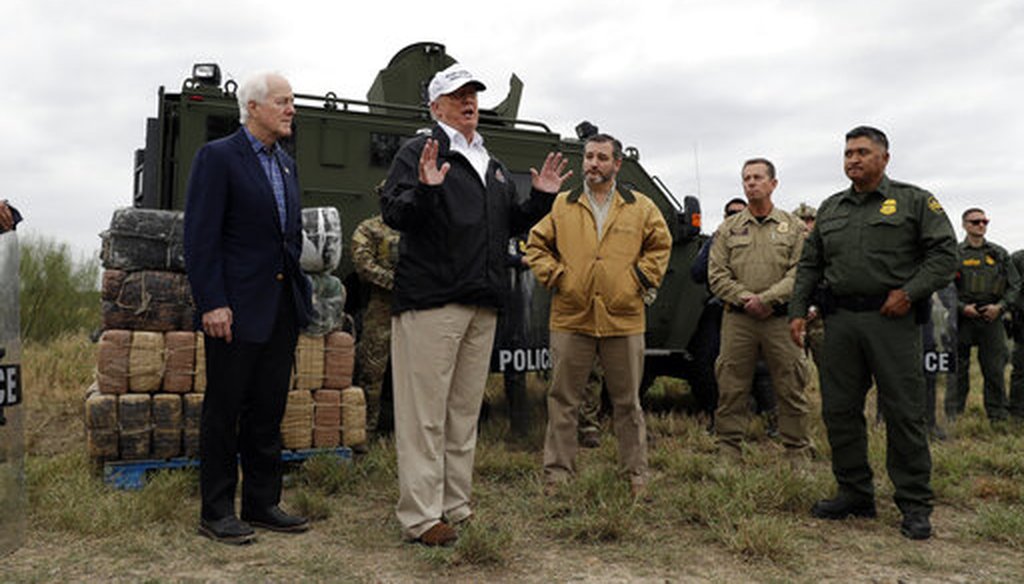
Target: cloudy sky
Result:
[698, 86]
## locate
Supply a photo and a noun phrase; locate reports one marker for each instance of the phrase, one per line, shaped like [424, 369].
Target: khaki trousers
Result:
[440, 361]
[743, 339]
[573, 357]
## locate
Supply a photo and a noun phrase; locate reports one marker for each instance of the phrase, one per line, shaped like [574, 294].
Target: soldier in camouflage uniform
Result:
[375, 254]
[986, 284]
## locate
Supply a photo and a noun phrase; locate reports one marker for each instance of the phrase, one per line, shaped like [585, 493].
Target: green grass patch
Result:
[1003, 524]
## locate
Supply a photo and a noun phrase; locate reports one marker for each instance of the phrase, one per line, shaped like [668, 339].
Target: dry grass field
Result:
[706, 520]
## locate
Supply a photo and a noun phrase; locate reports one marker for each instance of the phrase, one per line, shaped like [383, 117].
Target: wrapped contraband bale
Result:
[113, 280]
[179, 361]
[102, 444]
[321, 241]
[133, 412]
[353, 416]
[339, 360]
[309, 363]
[144, 239]
[167, 425]
[192, 412]
[101, 412]
[297, 424]
[199, 383]
[190, 443]
[326, 418]
[146, 362]
[328, 305]
[101, 427]
[150, 301]
[112, 361]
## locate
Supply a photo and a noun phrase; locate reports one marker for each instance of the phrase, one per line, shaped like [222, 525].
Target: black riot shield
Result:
[12, 436]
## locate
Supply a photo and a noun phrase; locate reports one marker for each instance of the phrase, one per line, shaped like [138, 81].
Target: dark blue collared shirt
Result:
[272, 168]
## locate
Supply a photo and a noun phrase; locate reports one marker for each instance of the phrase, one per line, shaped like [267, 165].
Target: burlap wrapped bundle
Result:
[146, 361]
[322, 243]
[148, 301]
[192, 409]
[199, 382]
[167, 414]
[309, 363]
[100, 424]
[297, 424]
[133, 413]
[326, 418]
[100, 411]
[180, 361]
[112, 361]
[353, 416]
[339, 360]
[328, 296]
[144, 239]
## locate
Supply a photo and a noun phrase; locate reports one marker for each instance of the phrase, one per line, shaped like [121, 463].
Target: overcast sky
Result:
[692, 84]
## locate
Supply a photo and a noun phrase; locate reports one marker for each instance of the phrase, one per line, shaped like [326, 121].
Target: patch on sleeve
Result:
[934, 205]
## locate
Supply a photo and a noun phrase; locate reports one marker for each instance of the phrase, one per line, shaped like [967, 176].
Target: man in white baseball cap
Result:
[455, 207]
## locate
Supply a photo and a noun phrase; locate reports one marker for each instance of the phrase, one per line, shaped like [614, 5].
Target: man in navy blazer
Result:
[243, 237]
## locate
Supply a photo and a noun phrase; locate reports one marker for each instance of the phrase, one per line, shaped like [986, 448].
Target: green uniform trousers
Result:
[990, 337]
[860, 346]
[1017, 381]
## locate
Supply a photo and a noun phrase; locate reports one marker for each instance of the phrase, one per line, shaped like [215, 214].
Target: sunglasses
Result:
[978, 221]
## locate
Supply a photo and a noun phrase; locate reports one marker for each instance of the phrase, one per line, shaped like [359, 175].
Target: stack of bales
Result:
[324, 410]
[147, 396]
[147, 399]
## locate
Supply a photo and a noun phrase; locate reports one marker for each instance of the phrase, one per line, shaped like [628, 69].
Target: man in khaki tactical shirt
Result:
[751, 269]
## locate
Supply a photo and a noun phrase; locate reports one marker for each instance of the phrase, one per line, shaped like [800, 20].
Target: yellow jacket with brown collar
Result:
[598, 286]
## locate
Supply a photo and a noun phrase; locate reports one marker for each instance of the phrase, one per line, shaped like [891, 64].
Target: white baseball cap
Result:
[449, 80]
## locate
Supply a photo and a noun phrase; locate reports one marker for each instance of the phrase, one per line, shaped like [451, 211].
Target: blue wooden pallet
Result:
[131, 474]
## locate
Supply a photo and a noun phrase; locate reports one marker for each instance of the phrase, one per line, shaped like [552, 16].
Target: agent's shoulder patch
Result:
[934, 205]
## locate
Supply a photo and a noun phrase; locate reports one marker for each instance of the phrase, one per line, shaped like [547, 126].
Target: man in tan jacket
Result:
[752, 267]
[602, 251]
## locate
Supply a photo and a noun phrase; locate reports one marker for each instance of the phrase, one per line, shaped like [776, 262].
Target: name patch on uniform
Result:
[499, 176]
[972, 262]
[740, 231]
[934, 205]
[783, 228]
[888, 207]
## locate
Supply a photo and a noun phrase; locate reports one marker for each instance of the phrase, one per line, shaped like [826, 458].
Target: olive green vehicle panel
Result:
[343, 149]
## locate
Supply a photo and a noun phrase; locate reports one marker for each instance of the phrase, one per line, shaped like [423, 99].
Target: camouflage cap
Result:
[805, 211]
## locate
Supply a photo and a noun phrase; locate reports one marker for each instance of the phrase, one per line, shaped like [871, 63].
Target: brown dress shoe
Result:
[441, 534]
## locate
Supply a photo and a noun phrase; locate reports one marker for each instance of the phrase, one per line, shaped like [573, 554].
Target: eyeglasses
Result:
[978, 221]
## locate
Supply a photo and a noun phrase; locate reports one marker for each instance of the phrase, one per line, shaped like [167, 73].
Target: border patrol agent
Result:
[882, 247]
[751, 268]
[987, 285]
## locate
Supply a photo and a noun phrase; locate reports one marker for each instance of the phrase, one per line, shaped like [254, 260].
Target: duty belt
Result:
[856, 303]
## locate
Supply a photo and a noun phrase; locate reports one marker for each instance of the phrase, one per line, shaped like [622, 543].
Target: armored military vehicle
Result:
[344, 147]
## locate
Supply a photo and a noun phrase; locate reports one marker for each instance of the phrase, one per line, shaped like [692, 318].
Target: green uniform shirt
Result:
[871, 243]
[985, 275]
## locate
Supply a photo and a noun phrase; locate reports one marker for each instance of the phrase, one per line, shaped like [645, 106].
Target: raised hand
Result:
[550, 177]
[430, 174]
